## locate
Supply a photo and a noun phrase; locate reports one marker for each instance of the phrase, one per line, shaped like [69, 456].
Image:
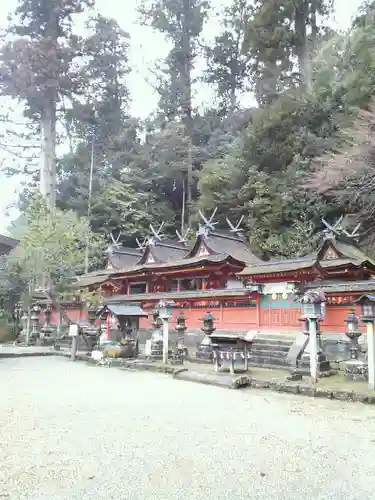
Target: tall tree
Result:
[104, 108]
[37, 67]
[181, 21]
[98, 123]
[227, 59]
[307, 34]
[269, 41]
[279, 32]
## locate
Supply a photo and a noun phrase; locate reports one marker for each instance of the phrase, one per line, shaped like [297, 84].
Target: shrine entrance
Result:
[279, 312]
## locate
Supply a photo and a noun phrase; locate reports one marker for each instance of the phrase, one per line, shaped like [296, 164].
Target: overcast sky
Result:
[146, 48]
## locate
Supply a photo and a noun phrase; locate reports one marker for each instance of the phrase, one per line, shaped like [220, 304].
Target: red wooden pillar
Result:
[258, 308]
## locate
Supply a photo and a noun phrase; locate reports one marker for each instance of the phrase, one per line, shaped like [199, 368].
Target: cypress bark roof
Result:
[161, 251]
[121, 257]
[7, 244]
[224, 242]
[335, 252]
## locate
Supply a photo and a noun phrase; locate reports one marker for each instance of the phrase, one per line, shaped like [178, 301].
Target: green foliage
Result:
[228, 61]
[37, 63]
[259, 163]
[53, 246]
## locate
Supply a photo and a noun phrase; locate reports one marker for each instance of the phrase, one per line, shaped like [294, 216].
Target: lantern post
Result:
[311, 311]
[367, 303]
[181, 329]
[165, 317]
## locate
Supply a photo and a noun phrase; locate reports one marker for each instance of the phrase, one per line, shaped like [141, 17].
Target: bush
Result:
[7, 331]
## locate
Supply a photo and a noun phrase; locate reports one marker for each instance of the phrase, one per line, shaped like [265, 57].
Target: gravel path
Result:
[69, 431]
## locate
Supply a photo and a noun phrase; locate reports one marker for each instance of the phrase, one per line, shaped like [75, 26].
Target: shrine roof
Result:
[327, 264]
[345, 248]
[90, 279]
[165, 251]
[185, 294]
[122, 257]
[345, 253]
[280, 266]
[219, 242]
[7, 243]
[345, 286]
[182, 263]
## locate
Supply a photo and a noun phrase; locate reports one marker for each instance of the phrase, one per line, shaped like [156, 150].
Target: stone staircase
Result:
[271, 349]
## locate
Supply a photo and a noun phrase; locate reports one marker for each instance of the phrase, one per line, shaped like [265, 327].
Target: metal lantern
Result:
[181, 323]
[352, 322]
[208, 323]
[311, 309]
[368, 312]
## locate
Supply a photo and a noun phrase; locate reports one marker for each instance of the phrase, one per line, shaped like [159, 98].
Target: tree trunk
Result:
[189, 183]
[48, 166]
[186, 101]
[183, 207]
[303, 45]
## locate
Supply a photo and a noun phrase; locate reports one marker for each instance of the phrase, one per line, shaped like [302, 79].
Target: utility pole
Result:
[89, 205]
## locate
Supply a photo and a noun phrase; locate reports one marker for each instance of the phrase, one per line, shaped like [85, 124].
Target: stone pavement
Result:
[335, 387]
[10, 350]
[72, 432]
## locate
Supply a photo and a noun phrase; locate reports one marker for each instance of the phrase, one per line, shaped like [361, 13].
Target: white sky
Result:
[146, 48]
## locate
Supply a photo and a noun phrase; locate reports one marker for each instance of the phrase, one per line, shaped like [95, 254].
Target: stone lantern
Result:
[313, 358]
[17, 317]
[34, 320]
[204, 352]
[91, 315]
[355, 369]
[47, 330]
[47, 315]
[353, 333]
[154, 345]
[157, 322]
[181, 329]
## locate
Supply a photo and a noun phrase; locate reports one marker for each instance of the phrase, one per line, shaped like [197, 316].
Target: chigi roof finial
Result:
[236, 229]
[337, 229]
[182, 238]
[209, 224]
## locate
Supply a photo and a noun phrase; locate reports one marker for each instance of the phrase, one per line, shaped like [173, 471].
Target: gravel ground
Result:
[70, 431]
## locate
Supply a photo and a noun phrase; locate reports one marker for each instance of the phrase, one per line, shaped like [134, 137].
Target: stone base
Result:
[157, 349]
[204, 354]
[323, 364]
[356, 370]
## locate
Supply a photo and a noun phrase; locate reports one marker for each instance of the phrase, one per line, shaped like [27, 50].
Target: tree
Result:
[181, 21]
[278, 33]
[37, 67]
[269, 41]
[101, 112]
[53, 246]
[227, 60]
[99, 125]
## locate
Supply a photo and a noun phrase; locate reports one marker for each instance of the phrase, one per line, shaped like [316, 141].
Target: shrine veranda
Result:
[219, 273]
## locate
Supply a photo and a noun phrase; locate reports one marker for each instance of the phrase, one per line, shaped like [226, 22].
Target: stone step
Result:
[271, 346]
[271, 337]
[267, 360]
[268, 354]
